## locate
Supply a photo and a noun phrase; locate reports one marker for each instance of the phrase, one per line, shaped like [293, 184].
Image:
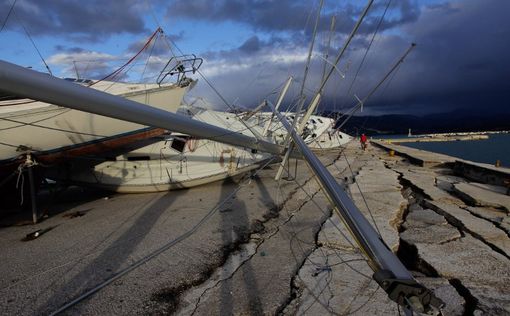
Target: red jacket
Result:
[363, 138]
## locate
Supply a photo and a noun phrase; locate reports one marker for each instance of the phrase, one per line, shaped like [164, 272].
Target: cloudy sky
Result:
[461, 61]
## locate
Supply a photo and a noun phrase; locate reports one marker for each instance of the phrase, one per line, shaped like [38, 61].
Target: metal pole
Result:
[278, 103]
[33, 196]
[300, 128]
[390, 273]
[38, 86]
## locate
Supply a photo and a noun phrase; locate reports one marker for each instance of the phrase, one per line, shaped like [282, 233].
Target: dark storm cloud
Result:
[461, 62]
[286, 15]
[88, 20]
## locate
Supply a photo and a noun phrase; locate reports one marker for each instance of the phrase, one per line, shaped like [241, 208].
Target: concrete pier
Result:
[267, 248]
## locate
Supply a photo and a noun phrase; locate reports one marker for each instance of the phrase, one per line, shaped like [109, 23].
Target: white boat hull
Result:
[45, 128]
[160, 167]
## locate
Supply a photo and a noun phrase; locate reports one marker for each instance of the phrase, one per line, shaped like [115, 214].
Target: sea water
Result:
[497, 147]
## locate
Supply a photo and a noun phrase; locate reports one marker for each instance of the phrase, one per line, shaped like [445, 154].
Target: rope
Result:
[28, 163]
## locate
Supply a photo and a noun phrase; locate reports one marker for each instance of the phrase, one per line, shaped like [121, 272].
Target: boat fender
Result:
[192, 144]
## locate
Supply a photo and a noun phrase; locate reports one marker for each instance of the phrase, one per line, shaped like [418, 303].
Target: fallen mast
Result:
[35, 85]
[389, 272]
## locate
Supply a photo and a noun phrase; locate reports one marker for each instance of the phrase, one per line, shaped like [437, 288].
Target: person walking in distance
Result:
[363, 141]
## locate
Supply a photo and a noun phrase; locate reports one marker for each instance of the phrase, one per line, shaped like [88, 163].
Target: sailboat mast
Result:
[328, 45]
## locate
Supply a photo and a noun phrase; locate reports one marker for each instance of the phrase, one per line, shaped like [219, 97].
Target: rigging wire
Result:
[50, 128]
[310, 50]
[8, 15]
[215, 90]
[33, 43]
[363, 197]
[342, 152]
[255, 134]
[148, 58]
[121, 68]
[20, 124]
[368, 48]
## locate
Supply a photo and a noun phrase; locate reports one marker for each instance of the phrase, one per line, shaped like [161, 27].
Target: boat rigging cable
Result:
[327, 266]
[287, 143]
[170, 42]
[121, 68]
[8, 15]
[388, 74]
[32, 41]
[342, 152]
[368, 48]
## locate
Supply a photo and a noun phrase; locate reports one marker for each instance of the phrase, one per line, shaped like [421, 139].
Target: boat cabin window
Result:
[313, 121]
[320, 121]
[179, 143]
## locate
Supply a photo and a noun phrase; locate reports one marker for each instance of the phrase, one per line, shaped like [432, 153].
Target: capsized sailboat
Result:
[50, 132]
[171, 161]
[42, 128]
[318, 132]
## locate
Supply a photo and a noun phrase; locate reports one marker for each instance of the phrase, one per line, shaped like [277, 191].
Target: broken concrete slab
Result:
[427, 183]
[426, 226]
[446, 182]
[377, 193]
[479, 194]
[489, 213]
[416, 156]
[338, 282]
[478, 227]
[484, 273]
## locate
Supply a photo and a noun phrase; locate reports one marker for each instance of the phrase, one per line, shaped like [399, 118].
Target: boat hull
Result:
[42, 128]
[161, 166]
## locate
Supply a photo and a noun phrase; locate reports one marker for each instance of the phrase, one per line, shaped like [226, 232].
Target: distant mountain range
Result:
[434, 123]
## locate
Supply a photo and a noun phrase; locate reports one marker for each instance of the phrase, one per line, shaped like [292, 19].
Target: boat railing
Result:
[180, 66]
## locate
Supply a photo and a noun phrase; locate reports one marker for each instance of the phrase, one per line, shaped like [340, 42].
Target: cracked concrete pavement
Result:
[270, 248]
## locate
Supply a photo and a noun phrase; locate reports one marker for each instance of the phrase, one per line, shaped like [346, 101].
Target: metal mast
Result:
[38, 86]
[389, 272]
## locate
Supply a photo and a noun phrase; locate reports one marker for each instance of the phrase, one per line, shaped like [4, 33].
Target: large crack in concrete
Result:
[295, 302]
[408, 253]
[238, 250]
[459, 225]
[295, 290]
